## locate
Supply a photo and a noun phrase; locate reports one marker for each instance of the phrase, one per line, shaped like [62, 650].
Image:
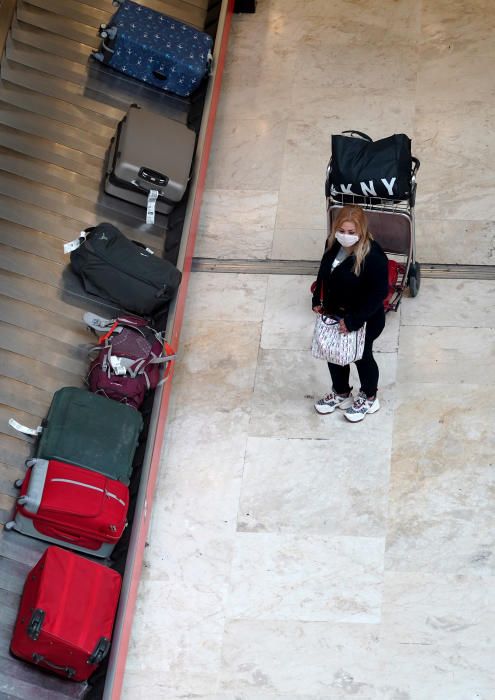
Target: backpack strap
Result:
[169, 359]
[98, 324]
[107, 335]
[162, 359]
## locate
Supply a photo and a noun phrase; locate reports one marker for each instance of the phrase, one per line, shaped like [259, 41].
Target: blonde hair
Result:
[353, 215]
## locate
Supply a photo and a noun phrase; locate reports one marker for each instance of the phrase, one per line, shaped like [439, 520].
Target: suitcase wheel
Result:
[18, 483]
[110, 32]
[102, 649]
[10, 525]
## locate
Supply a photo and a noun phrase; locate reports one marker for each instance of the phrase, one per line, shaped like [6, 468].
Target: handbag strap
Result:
[331, 322]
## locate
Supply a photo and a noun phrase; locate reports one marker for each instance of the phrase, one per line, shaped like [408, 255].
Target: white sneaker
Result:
[331, 401]
[361, 406]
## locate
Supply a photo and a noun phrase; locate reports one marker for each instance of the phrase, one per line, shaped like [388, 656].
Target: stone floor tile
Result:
[299, 658]
[225, 297]
[236, 224]
[298, 244]
[440, 519]
[448, 610]
[446, 355]
[311, 486]
[451, 302]
[432, 235]
[247, 154]
[201, 473]
[419, 671]
[288, 321]
[216, 365]
[306, 577]
[289, 382]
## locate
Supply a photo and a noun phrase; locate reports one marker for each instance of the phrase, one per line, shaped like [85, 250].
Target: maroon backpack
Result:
[128, 360]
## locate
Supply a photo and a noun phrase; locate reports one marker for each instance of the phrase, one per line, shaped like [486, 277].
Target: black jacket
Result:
[355, 299]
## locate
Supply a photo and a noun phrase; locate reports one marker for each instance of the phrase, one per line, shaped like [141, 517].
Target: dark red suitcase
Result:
[71, 506]
[66, 615]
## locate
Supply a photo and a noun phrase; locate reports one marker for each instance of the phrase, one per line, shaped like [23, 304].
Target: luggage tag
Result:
[150, 206]
[24, 429]
[117, 367]
[76, 243]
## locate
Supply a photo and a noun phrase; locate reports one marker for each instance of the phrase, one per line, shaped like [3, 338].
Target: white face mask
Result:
[346, 239]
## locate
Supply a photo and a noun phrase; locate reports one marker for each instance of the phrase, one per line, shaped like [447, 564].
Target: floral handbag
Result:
[333, 346]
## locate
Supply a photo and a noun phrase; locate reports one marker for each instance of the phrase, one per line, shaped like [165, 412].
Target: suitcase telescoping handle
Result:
[40, 659]
[153, 177]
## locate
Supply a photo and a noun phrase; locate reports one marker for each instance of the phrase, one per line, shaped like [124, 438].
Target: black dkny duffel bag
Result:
[115, 268]
[366, 168]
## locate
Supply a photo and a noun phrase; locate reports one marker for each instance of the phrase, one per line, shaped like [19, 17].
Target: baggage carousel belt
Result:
[58, 112]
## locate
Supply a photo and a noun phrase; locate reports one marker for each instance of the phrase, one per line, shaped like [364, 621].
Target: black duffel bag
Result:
[362, 167]
[116, 268]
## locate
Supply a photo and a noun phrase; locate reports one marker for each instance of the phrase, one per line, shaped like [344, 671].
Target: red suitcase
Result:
[71, 506]
[66, 614]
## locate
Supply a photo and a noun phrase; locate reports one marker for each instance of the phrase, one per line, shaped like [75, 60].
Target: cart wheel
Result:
[414, 279]
[9, 525]
[18, 483]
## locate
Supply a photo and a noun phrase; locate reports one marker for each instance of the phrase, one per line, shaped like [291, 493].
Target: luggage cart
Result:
[392, 224]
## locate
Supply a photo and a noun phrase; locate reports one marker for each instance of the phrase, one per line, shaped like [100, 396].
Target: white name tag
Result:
[24, 429]
[150, 207]
[118, 369]
[74, 245]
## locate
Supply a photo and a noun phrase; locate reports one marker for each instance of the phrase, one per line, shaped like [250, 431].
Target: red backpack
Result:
[395, 269]
[128, 360]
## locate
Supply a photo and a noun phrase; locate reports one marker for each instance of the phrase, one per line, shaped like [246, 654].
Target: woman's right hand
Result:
[318, 309]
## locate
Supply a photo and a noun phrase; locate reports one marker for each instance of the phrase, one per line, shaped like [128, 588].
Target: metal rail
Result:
[310, 267]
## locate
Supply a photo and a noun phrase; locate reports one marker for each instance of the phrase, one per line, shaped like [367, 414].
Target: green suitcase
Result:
[91, 431]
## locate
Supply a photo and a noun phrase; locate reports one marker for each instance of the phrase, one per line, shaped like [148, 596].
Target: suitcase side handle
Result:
[40, 659]
[35, 624]
[159, 75]
[64, 535]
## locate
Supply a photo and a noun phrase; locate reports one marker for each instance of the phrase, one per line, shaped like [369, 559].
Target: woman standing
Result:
[351, 286]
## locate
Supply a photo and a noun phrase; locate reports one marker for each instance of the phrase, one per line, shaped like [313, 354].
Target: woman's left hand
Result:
[342, 327]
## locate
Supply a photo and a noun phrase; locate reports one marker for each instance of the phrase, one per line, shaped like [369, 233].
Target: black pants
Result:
[367, 368]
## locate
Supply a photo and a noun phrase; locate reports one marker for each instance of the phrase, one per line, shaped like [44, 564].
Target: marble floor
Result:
[298, 557]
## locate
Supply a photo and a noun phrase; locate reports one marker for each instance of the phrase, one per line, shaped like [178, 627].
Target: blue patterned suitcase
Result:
[155, 48]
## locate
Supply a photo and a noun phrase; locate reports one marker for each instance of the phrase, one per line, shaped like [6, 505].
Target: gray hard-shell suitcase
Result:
[150, 153]
[89, 431]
